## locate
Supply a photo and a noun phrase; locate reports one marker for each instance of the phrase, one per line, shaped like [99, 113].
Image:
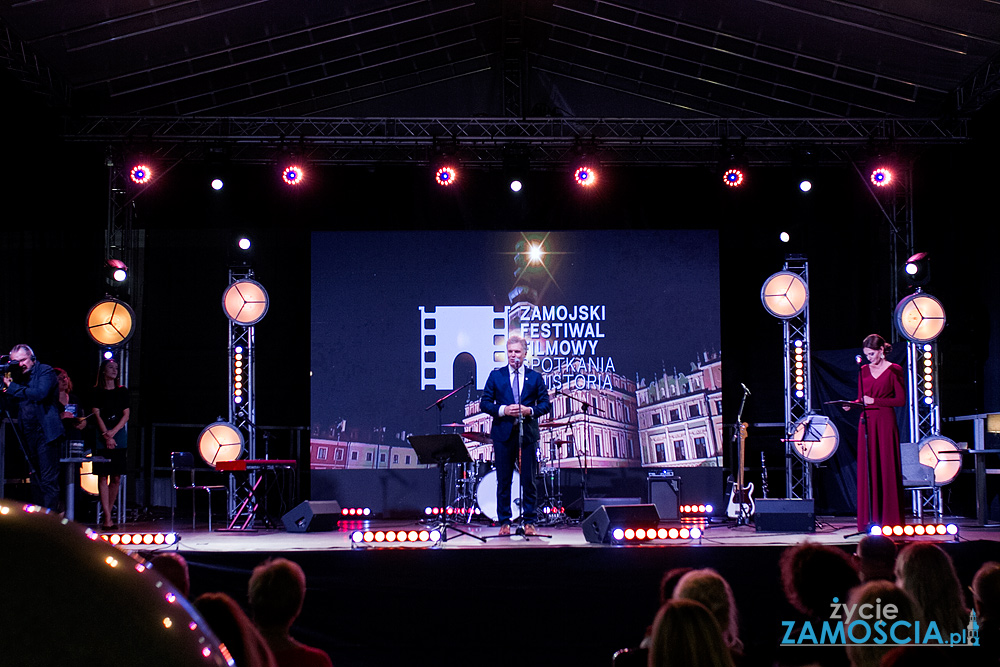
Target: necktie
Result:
[517, 388]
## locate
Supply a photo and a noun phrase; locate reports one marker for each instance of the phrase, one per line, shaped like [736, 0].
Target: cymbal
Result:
[453, 425]
[478, 437]
[552, 424]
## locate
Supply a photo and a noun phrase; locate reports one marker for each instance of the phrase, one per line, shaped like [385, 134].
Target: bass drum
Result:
[486, 495]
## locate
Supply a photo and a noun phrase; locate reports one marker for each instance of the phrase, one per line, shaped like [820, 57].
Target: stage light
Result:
[805, 185]
[919, 317]
[733, 178]
[245, 302]
[535, 253]
[815, 438]
[784, 237]
[637, 535]
[140, 174]
[220, 441]
[110, 322]
[445, 176]
[784, 294]
[117, 269]
[243, 243]
[942, 454]
[139, 539]
[217, 184]
[292, 175]
[585, 177]
[881, 177]
[515, 185]
[393, 537]
[917, 270]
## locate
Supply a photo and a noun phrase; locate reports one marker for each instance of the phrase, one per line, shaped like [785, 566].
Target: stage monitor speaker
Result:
[779, 515]
[312, 516]
[597, 526]
[663, 494]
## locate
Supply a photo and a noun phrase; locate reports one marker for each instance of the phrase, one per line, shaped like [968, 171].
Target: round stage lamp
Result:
[220, 441]
[815, 438]
[110, 322]
[919, 318]
[245, 302]
[943, 455]
[784, 294]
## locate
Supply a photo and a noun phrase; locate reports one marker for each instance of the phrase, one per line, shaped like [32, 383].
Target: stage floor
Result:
[829, 530]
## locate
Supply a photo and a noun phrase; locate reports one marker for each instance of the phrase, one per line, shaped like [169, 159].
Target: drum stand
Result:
[552, 496]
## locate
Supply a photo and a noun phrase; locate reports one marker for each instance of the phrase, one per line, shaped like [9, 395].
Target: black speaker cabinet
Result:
[596, 527]
[312, 516]
[778, 515]
[663, 494]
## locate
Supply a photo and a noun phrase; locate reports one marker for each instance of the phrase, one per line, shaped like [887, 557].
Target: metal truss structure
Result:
[483, 142]
[798, 402]
[242, 405]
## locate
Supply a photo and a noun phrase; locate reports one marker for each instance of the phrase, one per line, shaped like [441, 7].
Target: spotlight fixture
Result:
[919, 317]
[734, 177]
[117, 269]
[943, 455]
[915, 530]
[515, 185]
[917, 270]
[245, 302]
[217, 184]
[292, 175]
[805, 185]
[445, 176]
[220, 441]
[784, 294]
[784, 237]
[140, 539]
[815, 438]
[881, 177]
[140, 174]
[585, 177]
[110, 322]
[243, 243]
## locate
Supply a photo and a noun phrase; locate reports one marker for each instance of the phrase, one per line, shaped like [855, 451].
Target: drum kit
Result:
[475, 486]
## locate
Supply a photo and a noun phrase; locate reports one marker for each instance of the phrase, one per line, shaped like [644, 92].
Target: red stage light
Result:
[585, 177]
[733, 178]
[445, 176]
[292, 175]
[881, 177]
[140, 174]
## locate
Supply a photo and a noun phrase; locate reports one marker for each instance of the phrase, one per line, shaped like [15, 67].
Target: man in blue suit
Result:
[35, 388]
[515, 396]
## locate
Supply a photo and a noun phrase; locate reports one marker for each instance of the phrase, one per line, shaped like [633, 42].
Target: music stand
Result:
[441, 449]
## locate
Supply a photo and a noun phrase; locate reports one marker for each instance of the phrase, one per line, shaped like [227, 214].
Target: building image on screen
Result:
[622, 325]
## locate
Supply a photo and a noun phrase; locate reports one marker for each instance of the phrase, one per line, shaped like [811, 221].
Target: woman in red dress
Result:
[880, 480]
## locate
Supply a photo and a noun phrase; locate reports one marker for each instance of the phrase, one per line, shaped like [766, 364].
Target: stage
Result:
[557, 600]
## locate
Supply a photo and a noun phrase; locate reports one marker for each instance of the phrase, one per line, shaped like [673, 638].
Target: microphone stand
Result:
[532, 464]
[585, 407]
[439, 404]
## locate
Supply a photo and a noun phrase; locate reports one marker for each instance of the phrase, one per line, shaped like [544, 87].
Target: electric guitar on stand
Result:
[741, 506]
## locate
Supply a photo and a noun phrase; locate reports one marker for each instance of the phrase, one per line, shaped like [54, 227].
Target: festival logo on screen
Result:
[564, 343]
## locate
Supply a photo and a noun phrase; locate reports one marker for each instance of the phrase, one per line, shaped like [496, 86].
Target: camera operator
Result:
[36, 389]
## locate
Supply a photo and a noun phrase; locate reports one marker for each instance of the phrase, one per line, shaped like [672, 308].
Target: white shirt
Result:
[520, 385]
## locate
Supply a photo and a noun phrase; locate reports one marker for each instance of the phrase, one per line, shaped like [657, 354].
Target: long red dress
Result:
[880, 480]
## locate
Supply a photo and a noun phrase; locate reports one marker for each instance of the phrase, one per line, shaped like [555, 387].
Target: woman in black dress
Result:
[110, 409]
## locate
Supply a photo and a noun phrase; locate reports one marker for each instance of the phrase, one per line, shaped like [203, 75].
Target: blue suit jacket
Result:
[498, 391]
[42, 391]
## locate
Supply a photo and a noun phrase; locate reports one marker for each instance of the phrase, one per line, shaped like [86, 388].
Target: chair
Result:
[183, 462]
[918, 478]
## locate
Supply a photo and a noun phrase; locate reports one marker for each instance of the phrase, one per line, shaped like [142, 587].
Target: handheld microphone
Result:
[745, 388]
